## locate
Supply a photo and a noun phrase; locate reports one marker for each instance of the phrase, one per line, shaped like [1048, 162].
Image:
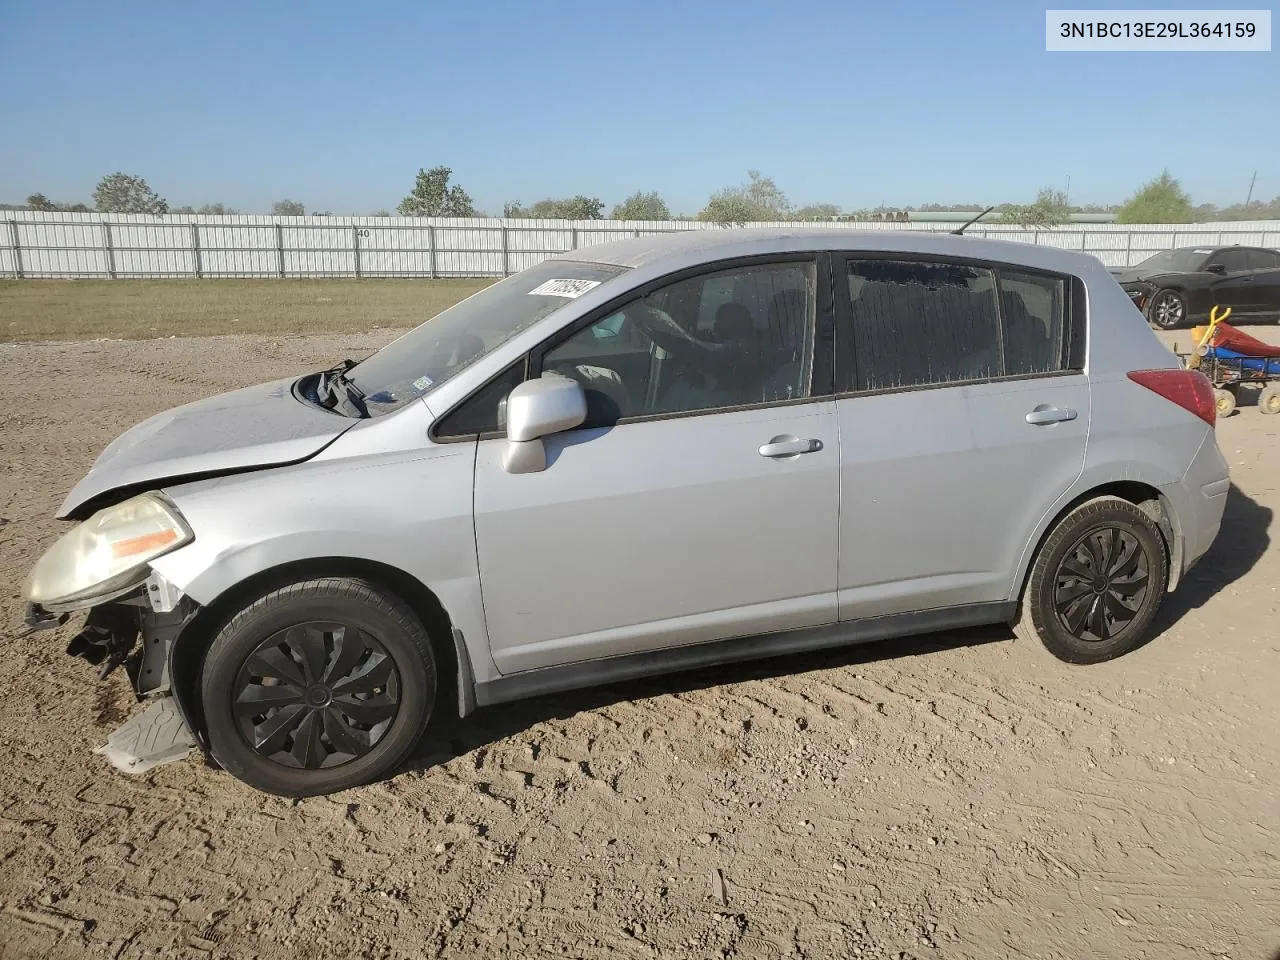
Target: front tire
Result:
[1096, 583]
[318, 686]
[1168, 309]
[1269, 399]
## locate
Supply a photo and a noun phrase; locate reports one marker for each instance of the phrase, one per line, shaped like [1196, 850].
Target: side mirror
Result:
[1216, 268]
[535, 409]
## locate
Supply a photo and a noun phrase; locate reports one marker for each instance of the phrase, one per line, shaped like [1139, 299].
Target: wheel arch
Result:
[1143, 495]
[1175, 285]
[186, 655]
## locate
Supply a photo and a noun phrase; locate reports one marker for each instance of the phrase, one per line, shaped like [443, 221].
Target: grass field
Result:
[141, 309]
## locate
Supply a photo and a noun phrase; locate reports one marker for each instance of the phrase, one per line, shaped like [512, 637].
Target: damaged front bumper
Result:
[36, 618]
[137, 631]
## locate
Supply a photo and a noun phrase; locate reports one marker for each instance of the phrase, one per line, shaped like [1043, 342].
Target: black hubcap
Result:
[1101, 584]
[316, 694]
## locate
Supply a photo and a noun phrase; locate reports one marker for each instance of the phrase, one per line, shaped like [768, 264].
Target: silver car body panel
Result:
[642, 537]
[257, 426]
[917, 463]
[664, 532]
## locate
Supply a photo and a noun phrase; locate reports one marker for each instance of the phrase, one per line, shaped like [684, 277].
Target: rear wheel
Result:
[1269, 398]
[1224, 402]
[1167, 310]
[317, 687]
[1097, 582]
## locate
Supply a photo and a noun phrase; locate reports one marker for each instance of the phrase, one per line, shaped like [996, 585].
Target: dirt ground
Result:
[957, 795]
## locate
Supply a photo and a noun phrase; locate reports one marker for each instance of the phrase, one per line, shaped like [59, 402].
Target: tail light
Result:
[1189, 389]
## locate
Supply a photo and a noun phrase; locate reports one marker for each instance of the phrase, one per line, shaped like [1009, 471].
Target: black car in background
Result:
[1181, 286]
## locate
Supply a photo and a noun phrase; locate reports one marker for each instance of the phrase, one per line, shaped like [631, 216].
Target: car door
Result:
[1235, 286]
[1266, 281]
[963, 413]
[706, 511]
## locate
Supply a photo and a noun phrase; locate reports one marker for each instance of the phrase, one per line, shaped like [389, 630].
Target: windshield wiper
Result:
[336, 391]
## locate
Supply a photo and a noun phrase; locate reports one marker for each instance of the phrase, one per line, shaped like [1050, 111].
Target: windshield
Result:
[427, 356]
[1174, 261]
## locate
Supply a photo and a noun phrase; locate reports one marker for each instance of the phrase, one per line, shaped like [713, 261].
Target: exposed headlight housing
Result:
[107, 554]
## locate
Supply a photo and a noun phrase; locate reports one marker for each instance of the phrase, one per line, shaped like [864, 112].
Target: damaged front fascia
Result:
[107, 636]
[111, 632]
[36, 618]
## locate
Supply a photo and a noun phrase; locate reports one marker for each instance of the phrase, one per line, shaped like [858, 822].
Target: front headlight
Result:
[106, 554]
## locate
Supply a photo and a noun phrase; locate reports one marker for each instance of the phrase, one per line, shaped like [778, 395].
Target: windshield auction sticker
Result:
[563, 288]
[1157, 30]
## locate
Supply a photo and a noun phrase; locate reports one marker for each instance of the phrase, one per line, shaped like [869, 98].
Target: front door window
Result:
[733, 338]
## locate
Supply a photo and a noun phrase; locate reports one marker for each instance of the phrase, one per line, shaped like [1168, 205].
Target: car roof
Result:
[678, 249]
[1211, 248]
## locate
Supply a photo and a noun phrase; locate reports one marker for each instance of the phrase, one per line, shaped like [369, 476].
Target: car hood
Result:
[259, 426]
[1137, 276]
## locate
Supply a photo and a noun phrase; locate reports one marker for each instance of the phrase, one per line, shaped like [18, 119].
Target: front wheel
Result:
[1269, 398]
[1097, 582]
[318, 686]
[1168, 309]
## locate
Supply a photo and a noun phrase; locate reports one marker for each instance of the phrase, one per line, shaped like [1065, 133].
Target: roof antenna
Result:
[966, 226]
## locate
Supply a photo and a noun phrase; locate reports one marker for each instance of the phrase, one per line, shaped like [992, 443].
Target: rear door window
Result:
[916, 324]
[911, 324]
[1264, 260]
[1032, 308]
[1233, 261]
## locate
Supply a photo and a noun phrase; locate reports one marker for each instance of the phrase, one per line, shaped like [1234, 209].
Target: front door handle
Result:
[1046, 414]
[789, 446]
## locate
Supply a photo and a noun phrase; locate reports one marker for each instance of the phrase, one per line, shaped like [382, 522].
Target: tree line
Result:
[758, 198]
[126, 193]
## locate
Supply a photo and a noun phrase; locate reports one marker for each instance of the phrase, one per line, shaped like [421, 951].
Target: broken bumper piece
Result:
[36, 618]
[157, 735]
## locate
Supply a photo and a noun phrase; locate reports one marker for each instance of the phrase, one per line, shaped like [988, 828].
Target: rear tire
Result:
[1096, 583]
[318, 686]
[1269, 399]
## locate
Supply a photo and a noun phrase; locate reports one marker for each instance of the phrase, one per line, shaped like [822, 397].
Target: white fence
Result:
[83, 245]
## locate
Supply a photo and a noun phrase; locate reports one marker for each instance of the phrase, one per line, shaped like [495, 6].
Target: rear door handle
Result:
[1046, 414]
[789, 446]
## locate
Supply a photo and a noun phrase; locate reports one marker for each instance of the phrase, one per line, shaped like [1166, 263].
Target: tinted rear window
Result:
[921, 323]
[1033, 307]
[1263, 260]
[917, 323]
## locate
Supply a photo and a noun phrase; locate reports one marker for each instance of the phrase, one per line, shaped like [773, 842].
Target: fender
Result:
[459, 596]
[414, 521]
[1098, 477]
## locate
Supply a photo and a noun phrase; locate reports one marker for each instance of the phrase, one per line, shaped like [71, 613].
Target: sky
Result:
[856, 103]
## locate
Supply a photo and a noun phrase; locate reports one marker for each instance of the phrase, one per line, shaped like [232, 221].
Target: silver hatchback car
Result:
[644, 456]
